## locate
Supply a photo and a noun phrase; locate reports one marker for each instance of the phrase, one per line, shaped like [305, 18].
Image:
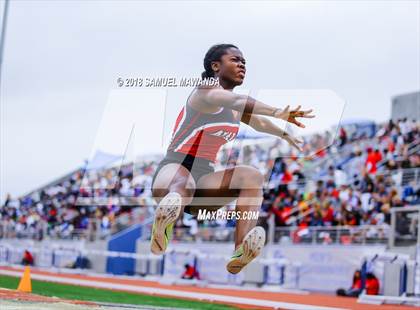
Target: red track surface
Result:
[310, 299]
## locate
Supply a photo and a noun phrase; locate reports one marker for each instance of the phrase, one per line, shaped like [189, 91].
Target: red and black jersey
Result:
[203, 134]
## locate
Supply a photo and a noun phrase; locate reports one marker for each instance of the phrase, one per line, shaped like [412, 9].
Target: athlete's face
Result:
[232, 67]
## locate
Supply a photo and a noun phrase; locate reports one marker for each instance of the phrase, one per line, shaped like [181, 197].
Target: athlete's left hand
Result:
[290, 116]
[294, 142]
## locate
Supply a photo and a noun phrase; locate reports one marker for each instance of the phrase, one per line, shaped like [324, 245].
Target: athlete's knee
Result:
[184, 185]
[159, 193]
[251, 177]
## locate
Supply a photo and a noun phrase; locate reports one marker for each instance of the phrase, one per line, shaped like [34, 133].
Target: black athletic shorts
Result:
[195, 165]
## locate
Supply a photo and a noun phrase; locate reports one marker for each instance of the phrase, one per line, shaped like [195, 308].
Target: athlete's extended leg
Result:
[249, 201]
[244, 183]
[173, 188]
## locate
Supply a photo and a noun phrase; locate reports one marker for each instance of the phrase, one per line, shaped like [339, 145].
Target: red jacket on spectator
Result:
[391, 145]
[357, 284]
[378, 156]
[328, 215]
[287, 177]
[372, 286]
[283, 214]
[335, 193]
[27, 259]
[371, 161]
[190, 272]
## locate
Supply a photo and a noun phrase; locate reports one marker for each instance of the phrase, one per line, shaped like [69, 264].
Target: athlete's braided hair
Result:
[215, 53]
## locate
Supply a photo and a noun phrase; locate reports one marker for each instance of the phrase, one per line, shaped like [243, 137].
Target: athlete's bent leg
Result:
[249, 239]
[244, 184]
[174, 178]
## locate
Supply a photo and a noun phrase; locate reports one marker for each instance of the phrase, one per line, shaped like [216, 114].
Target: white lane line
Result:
[174, 293]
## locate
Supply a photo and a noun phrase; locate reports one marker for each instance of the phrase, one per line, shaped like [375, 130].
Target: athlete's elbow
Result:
[238, 103]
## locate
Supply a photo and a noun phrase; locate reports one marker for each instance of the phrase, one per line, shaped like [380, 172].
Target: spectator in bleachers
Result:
[355, 187]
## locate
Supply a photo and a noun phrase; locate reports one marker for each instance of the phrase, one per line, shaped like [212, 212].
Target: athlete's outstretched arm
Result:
[241, 103]
[249, 105]
[262, 124]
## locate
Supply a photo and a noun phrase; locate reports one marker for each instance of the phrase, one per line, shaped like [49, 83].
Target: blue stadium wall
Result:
[124, 241]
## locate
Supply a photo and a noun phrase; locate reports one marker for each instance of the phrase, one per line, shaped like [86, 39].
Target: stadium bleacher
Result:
[353, 182]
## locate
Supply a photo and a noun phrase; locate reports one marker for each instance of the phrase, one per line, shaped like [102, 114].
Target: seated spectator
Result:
[190, 273]
[372, 284]
[81, 262]
[27, 259]
[356, 287]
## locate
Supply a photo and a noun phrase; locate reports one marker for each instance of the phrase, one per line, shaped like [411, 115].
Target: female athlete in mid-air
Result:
[186, 177]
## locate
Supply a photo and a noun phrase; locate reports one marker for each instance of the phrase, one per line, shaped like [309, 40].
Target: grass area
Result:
[93, 294]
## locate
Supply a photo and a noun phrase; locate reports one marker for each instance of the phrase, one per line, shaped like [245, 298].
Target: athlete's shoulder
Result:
[209, 94]
[204, 90]
[208, 87]
[198, 99]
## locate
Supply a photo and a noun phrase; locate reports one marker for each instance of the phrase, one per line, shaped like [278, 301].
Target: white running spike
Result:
[166, 213]
[252, 245]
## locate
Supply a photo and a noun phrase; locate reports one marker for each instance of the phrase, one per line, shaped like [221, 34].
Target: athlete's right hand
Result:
[294, 142]
[291, 115]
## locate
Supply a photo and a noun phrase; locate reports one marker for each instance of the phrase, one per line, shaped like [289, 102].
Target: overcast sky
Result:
[62, 60]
